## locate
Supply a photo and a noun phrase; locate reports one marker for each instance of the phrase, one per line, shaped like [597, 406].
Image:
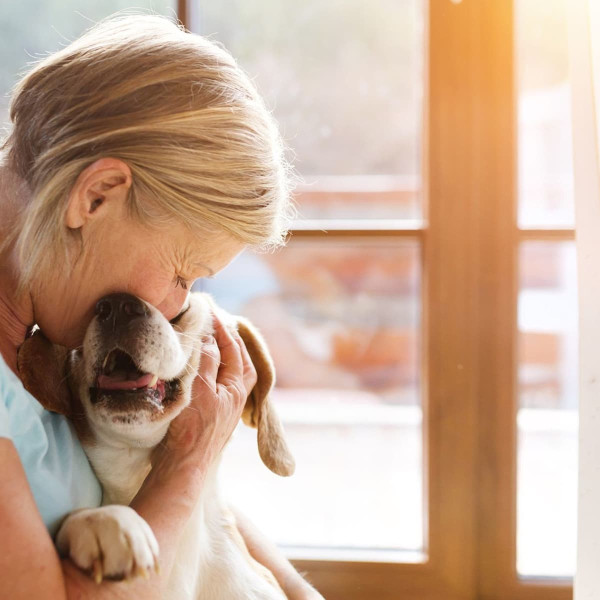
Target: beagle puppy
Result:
[132, 376]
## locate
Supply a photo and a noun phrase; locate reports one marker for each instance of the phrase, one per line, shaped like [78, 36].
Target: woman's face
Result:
[121, 255]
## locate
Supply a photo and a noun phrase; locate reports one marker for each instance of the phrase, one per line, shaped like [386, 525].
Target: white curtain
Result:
[584, 18]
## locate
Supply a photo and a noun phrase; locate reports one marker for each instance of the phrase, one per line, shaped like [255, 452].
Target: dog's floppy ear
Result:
[259, 411]
[43, 370]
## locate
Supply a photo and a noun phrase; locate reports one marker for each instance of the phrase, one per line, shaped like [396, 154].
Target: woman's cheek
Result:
[172, 304]
[152, 288]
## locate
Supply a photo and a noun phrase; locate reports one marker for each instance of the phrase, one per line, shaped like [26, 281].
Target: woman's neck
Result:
[16, 313]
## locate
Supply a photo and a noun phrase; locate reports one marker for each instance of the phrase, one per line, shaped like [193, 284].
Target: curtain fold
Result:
[587, 227]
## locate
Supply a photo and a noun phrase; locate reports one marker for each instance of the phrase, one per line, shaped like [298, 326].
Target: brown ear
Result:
[259, 411]
[43, 371]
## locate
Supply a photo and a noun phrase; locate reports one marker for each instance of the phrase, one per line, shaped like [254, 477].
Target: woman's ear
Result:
[100, 187]
[259, 411]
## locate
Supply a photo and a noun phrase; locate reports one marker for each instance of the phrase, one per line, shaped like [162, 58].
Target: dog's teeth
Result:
[97, 571]
[153, 381]
[105, 361]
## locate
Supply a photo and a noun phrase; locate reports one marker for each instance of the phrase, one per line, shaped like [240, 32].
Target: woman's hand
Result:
[219, 392]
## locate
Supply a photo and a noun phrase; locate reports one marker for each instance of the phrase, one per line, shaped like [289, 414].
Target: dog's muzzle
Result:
[120, 383]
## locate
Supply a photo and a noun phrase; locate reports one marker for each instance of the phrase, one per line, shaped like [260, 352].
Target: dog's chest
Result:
[121, 471]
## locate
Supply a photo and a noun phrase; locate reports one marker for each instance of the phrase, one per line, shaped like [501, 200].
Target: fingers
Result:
[250, 375]
[226, 376]
[210, 362]
[225, 361]
[231, 360]
[236, 365]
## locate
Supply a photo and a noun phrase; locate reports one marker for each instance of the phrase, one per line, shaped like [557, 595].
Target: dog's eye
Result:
[176, 319]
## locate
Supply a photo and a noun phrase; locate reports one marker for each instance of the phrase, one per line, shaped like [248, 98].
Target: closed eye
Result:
[176, 319]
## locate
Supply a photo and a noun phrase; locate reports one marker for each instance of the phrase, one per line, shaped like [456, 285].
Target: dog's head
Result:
[134, 372]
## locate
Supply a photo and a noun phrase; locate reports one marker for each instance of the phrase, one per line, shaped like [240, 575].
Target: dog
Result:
[121, 389]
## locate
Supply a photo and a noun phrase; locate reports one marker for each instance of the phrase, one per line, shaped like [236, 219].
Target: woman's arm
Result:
[268, 554]
[29, 565]
[195, 439]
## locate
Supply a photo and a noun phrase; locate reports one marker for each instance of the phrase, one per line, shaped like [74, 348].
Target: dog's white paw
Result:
[110, 541]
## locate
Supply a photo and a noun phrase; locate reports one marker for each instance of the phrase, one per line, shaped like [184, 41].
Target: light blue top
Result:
[57, 469]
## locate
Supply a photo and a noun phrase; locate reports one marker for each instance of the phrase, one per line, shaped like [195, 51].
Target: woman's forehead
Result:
[209, 252]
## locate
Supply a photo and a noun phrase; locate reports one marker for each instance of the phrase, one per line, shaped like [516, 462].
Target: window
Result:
[491, 268]
[547, 298]
[24, 39]
[341, 312]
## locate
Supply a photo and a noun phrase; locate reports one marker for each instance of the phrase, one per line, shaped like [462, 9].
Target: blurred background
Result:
[342, 313]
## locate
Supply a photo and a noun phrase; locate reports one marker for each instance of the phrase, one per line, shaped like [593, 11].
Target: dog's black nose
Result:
[120, 309]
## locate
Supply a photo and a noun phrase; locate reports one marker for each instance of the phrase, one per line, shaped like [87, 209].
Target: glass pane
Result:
[342, 320]
[345, 81]
[544, 129]
[24, 39]
[547, 418]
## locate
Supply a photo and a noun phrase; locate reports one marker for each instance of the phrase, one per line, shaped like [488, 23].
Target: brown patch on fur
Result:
[44, 370]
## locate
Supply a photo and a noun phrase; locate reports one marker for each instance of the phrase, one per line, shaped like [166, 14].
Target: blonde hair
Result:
[175, 107]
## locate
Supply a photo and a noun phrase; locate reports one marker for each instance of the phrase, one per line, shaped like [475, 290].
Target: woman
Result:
[140, 159]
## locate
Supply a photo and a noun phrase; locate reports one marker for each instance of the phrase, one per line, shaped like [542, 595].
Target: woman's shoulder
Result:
[18, 409]
[57, 469]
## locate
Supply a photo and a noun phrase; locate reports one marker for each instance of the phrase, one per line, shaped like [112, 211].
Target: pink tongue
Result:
[108, 383]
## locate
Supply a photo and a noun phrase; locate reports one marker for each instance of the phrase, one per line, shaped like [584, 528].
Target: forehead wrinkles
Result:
[184, 251]
[195, 254]
[200, 265]
[199, 256]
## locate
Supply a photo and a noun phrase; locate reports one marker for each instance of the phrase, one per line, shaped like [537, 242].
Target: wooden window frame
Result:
[470, 243]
